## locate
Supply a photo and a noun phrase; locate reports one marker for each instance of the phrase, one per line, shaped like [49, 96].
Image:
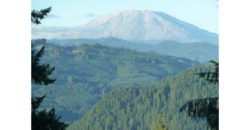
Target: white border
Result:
[234, 27]
[15, 66]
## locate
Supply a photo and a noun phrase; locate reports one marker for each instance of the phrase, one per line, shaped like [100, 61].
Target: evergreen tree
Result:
[42, 119]
[45, 119]
[37, 16]
[208, 107]
[41, 72]
[211, 76]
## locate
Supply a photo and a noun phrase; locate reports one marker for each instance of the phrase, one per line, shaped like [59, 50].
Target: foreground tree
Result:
[207, 108]
[40, 74]
[37, 16]
[45, 119]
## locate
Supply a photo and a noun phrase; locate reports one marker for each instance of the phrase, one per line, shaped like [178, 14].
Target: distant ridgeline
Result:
[197, 51]
[85, 73]
[139, 108]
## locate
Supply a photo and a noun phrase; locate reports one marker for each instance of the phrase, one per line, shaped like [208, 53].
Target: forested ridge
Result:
[139, 108]
[198, 51]
[84, 73]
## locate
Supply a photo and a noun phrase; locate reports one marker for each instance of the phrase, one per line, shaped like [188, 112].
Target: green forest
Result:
[138, 108]
[84, 73]
[99, 87]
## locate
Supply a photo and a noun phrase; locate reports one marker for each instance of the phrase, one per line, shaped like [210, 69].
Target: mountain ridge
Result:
[197, 51]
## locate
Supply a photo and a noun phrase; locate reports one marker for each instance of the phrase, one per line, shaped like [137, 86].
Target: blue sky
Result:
[202, 13]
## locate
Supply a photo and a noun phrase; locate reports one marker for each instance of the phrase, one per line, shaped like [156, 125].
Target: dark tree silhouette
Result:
[37, 16]
[207, 108]
[40, 72]
[42, 119]
[212, 76]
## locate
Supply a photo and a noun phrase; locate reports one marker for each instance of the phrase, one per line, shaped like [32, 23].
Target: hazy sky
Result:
[202, 13]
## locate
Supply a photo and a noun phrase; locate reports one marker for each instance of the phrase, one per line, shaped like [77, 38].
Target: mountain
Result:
[138, 108]
[132, 25]
[84, 73]
[197, 51]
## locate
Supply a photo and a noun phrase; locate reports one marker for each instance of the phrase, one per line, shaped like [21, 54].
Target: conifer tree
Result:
[42, 119]
[41, 72]
[37, 16]
[207, 108]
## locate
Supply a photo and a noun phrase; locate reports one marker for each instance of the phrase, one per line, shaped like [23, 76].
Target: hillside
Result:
[84, 73]
[197, 51]
[138, 108]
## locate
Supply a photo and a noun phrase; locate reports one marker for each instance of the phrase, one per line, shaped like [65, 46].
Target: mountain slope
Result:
[138, 108]
[133, 25]
[84, 73]
[202, 52]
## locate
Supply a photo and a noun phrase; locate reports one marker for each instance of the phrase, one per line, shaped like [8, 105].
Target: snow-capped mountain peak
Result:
[137, 25]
